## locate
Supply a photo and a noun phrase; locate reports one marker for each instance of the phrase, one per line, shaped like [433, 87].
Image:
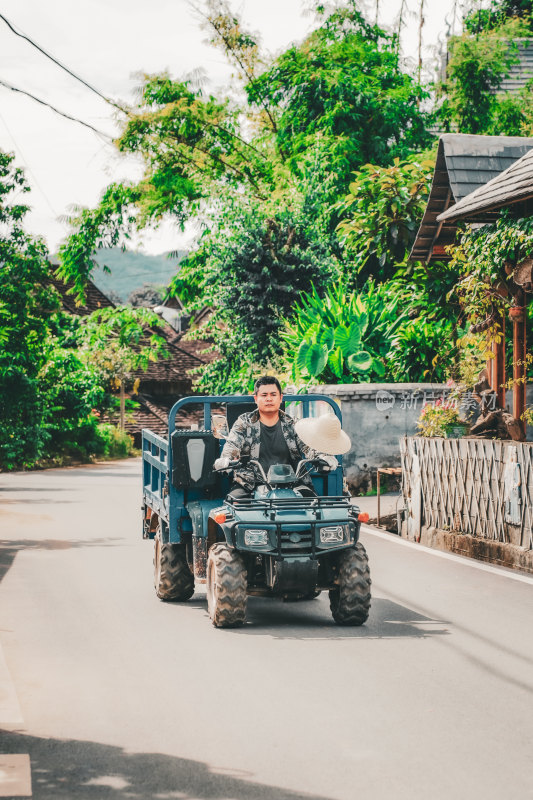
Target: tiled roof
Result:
[464, 163]
[522, 72]
[94, 300]
[512, 186]
[203, 315]
[153, 414]
[144, 417]
[175, 367]
[182, 355]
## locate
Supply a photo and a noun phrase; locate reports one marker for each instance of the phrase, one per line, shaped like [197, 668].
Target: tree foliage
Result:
[480, 257]
[25, 301]
[341, 93]
[381, 214]
[255, 267]
[117, 342]
[497, 13]
[475, 71]
[49, 385]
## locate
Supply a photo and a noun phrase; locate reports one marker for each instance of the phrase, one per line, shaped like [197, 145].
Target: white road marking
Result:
[15, 776]
[10, 713]
[464, 560]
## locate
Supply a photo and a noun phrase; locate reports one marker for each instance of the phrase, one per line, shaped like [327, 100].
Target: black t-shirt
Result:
[273, 448]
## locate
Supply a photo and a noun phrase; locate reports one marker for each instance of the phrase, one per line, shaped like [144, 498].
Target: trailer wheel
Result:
[350, 599]
[226, 587]
[173, 579]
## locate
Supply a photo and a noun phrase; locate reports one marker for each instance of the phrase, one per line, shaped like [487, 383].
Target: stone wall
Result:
[375, 416]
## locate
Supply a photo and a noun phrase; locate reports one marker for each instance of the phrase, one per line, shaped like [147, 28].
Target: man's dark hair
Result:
[266, 380]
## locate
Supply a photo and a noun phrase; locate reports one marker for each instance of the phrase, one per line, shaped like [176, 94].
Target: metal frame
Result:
[289, 503]
[155, 452]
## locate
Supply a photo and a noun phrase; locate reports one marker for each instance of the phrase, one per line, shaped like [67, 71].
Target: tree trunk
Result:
[420, 26]
[400, 26]
[122, 406]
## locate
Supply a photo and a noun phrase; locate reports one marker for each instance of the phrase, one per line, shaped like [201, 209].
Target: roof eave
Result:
[484, 213]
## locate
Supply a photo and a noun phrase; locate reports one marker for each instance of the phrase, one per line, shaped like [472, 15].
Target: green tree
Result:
[255, 267]
[477, 66]
[117, 342]
[25, 302]
[381, 215]
[261, 171]
[341, 93]
[486, 19]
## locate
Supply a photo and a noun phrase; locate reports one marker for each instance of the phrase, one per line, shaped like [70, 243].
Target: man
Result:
[268, 436]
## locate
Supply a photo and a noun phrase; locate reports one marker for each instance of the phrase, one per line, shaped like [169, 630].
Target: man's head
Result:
[268, 395]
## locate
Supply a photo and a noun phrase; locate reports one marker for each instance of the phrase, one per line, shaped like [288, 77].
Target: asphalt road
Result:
[108, 693]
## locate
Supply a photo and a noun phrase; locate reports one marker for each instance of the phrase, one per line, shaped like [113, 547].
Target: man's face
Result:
[268, 398]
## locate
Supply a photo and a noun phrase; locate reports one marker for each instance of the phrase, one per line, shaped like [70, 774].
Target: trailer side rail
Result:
[155, 473]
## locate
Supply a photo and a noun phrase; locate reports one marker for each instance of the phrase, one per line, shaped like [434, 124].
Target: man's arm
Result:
[235, 441]
[232, 451]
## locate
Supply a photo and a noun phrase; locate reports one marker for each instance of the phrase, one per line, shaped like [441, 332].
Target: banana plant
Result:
[328, 334]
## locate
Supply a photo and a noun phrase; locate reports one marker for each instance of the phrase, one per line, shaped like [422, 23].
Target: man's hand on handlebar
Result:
[223, 464]
[327, 463]
[321, 464]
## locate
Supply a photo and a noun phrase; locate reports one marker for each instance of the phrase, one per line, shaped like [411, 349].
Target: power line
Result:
[56, 110]
[62, 66]
[28, 168]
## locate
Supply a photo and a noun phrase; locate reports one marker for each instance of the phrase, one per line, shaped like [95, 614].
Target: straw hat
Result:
[324, 434]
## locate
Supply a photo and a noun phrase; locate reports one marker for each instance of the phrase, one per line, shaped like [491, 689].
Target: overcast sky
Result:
[108, 42]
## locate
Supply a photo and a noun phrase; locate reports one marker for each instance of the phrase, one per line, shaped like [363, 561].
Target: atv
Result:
[283, 541]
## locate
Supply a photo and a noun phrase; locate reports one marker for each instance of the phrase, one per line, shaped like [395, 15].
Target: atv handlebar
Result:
[300, 471]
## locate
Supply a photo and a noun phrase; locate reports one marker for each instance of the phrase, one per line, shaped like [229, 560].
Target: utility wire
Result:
[28, 168]
[62, 66]
[56, 110]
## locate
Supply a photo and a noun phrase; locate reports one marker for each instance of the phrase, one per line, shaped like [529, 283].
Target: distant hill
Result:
[130, 270]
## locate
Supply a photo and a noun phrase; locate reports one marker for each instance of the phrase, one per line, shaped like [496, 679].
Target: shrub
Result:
[115, 443]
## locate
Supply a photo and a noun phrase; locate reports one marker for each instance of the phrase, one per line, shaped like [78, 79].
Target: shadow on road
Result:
[74, 770]
[31, 488]
[50, 500]
[97, 473]
[10, 548]
[312, 620]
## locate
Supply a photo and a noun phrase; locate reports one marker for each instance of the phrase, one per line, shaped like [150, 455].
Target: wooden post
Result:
[489, 366]
[498, 366]
[518, 315]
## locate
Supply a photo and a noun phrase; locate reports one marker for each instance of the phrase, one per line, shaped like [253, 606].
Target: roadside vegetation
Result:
[307, 181]
[58, 372]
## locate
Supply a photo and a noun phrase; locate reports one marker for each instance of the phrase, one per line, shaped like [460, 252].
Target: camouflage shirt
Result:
[244, 439]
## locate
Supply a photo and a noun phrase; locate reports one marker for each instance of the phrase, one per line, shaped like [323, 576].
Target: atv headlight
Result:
[255, 537]
[334, 533]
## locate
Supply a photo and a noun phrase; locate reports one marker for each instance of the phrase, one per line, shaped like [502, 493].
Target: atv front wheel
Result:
[173, 579]
[226, 587]
[350, 599]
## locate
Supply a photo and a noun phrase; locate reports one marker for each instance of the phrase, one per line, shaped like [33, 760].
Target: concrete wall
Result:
[375, 415]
